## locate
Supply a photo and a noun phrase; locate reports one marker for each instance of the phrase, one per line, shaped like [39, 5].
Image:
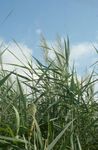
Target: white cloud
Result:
[84, 55]
[38, 31]
[82, 50]
[9, 58]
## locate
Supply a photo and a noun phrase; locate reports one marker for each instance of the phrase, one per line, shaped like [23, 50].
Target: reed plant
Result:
[58, 112]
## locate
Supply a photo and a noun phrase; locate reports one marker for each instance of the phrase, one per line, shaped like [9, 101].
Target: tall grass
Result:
[58, 112]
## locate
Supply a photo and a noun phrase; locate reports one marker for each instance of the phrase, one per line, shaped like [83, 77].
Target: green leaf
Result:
[52, 144]
[2, 81]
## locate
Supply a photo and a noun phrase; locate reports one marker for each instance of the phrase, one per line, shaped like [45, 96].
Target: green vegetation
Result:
[58, 111]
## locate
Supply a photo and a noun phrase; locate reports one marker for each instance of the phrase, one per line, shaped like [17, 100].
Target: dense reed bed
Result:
[57, 112]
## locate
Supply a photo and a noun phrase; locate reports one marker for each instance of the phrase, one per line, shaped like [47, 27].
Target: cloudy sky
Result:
[24, 20]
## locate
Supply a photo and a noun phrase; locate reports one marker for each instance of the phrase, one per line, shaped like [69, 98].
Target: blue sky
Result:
[76, 18]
